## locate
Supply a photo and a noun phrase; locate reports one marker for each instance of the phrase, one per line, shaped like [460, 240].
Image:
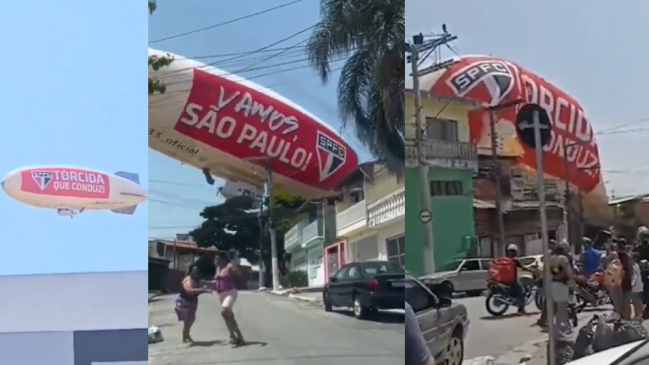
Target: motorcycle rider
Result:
[591, 258]
[516, 288]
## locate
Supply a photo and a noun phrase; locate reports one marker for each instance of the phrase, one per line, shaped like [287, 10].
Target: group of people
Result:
[186, 303]
[620, 268]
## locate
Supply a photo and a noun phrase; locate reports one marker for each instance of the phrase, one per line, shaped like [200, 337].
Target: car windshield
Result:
[452, 266]
[373, 268]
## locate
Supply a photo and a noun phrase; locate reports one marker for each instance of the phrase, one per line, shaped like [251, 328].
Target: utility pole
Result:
[496, 171]
[271, 227]
[418, 46]
[262, 281]
[567, 200]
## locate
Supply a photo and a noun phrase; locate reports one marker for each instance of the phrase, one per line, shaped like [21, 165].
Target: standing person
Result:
[225, 280]
[618, 279]
[637, 288]
[591, 259]
[187, 302]
[562, 281]
[417, 353]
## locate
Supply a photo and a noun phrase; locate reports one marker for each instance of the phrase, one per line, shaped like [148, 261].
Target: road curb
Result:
[305, 299]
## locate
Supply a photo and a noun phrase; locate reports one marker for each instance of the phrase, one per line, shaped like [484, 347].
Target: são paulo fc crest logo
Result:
[42, 178]
[331, 155]
[497, 77]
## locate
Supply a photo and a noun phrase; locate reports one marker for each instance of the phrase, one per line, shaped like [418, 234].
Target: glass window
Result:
[452, 266]
[471, 265]
[418, 297]
[373, 268]
[353, 273]
[485, 264]
[342, 272]
[396, 247]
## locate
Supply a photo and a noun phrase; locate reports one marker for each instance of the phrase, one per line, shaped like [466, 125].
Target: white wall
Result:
[389, 231]
[35, 348]
[73, 302]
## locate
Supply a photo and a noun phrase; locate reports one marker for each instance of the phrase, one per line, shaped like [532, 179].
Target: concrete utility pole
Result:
[261, 241]
[496, 170]
[418, 46]
[271, 229]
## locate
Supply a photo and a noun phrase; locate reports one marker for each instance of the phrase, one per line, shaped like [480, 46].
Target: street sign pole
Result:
[534, 129]
[547, 279]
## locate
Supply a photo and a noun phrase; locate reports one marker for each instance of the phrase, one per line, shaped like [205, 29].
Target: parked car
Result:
[443, 323]
[366, 287]
[461, 276]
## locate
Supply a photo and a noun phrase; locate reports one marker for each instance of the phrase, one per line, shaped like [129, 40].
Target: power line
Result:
[227, 22]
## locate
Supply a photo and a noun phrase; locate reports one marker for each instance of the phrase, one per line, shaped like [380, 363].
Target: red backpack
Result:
[503, 270]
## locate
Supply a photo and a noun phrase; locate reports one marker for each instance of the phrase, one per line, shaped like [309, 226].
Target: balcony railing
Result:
[460, 154]
[385, 210]
[313, 231]
[292, 237]
[352, 215]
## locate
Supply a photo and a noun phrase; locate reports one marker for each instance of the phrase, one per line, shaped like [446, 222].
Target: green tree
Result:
[156, 63]
[234, 224]
[371, 84]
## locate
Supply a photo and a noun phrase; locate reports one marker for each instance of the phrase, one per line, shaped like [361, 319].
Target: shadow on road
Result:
[208, 343]
[250, 343]
[380, 317]
[508, 316]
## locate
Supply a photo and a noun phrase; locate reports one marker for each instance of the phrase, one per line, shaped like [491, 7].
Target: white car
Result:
[634, 353]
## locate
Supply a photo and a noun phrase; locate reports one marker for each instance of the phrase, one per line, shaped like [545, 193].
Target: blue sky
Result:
[590, 49]
[178, 193]
[74, 94]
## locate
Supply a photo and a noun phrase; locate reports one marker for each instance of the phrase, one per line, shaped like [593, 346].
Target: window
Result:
[484, 264]
[341, 273]
[471, 265]
[353, 273]
[396, 247]
[419, 298]
[452, 266]
[441, 129]
[373, 268]
[446, 188]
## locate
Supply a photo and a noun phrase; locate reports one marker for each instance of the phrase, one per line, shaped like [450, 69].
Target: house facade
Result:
[452, 162]
[366, 222]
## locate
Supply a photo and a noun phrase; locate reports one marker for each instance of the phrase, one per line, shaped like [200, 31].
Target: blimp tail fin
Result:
[131, 177]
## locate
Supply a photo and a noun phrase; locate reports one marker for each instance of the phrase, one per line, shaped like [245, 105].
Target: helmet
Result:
[564, 244]
[586, 241]
[643, 231]
[512, 247]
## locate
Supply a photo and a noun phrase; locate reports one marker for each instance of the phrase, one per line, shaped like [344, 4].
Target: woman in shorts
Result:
[225, 281]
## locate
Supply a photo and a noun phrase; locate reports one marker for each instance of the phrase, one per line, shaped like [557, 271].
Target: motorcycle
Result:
[499, 297]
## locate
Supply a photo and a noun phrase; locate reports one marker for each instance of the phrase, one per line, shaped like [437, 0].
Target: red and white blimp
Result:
[72, 190]
[216, 121]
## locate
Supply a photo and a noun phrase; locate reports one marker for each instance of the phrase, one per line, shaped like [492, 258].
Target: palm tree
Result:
[371, 85]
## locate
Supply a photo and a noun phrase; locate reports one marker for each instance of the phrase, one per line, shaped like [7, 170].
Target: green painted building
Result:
[452, 162]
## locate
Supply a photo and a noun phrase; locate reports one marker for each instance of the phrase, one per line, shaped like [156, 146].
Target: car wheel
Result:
[360, 312]
[455, 349]
[328, 306]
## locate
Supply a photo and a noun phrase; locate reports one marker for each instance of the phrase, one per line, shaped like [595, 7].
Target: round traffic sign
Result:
[425, 216]
[525, 119]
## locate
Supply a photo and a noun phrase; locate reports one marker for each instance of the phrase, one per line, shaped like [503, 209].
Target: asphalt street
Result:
[279, 330]
[495, 336]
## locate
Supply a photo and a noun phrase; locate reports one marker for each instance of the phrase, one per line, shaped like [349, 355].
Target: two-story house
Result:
[366, 222]
[519, 205]
[451, 162]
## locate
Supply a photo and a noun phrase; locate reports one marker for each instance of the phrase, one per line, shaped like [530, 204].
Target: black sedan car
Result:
[366, 287]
